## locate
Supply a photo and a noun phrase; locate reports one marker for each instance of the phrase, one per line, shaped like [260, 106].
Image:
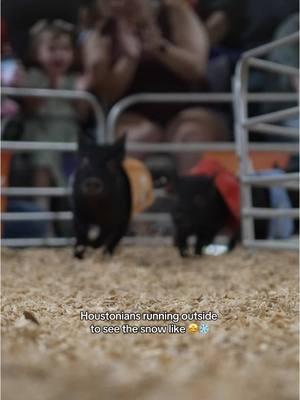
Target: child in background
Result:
[55, 119]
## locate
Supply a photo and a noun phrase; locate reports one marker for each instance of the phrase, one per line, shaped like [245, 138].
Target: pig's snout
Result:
[92, 186]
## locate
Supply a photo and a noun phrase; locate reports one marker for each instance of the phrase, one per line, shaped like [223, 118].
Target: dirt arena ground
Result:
[251, 352]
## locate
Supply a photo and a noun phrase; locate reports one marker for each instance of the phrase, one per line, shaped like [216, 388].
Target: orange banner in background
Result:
[5, 166]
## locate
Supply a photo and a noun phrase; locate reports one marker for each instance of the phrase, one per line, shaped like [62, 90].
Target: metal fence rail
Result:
[64, 94]
[67, 216]
[192, 98]
[27, 146]
[151, 147]
[262, 124]
[63, 242]
[106, 133]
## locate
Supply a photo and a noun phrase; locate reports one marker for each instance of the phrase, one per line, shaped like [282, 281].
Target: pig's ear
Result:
[119, 149]
[117, 155]
[120, 144]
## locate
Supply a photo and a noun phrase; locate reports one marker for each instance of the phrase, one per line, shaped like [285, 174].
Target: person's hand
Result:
[217, 26]
[118, 8]
[129, 42]
[175, 3]
[128, 10]
[18, 77]
[168, 2]
[152, 39]
[96, 51]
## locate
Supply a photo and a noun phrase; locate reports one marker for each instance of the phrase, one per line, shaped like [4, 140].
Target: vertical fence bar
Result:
[243, 125]
[242, 143]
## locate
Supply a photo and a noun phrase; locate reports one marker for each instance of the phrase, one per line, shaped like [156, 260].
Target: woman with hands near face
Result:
[159, 46]
[167, 32]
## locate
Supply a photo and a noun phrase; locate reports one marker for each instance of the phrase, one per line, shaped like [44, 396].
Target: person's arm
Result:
[217, 26]
[121, 75]
[96, 59]
[187, 54]
[123, 71]
[109, 80]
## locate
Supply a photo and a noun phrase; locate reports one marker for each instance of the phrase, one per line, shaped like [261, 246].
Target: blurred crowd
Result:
[115, 48]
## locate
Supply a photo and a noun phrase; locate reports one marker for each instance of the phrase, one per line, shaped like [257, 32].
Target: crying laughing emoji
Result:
[193, 328]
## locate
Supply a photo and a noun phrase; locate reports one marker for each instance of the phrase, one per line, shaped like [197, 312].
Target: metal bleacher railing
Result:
[26, 146]
[106, 133]
[262, 124]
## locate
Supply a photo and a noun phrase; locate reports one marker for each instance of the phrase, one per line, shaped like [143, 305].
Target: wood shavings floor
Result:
[251, 352]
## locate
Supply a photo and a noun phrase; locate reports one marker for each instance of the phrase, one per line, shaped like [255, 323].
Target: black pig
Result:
[101, 198]
[199, 210]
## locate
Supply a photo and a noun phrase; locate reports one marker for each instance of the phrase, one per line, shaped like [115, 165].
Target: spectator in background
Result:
[224, 20]
[52, 51]
[158, 46]
[262, 18]
[21, 15]
[235, 26]
[285, 55]
[243, 24]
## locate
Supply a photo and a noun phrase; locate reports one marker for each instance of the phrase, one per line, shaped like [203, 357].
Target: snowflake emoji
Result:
[203, 329]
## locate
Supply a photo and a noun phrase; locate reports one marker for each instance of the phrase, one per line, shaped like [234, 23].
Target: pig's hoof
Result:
[79, 253]
[108, 252]
[79, 256]
[184, 253]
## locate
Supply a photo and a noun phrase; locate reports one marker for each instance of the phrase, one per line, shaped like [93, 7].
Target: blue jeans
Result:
[24, 229]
